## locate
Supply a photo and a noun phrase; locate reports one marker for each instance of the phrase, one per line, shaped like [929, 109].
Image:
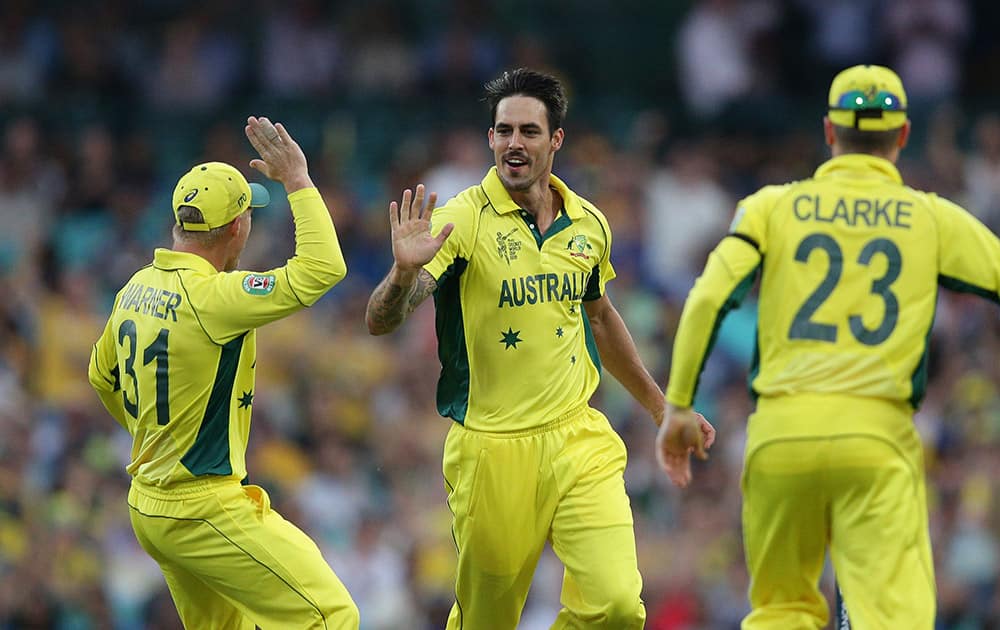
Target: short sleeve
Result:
[458, 245]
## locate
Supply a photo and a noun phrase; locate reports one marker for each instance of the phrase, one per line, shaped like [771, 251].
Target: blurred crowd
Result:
[676, 112]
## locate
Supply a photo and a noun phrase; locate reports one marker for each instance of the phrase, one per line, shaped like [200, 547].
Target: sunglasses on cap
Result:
[856, 100]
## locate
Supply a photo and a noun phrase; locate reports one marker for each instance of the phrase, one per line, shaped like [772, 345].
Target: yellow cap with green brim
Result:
[867, 98]
[220, 192]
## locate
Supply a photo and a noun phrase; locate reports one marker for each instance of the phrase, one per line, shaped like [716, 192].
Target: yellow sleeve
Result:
[104, 376]
[229, 304]
[458, 246]
[969, 259]
[728, 276]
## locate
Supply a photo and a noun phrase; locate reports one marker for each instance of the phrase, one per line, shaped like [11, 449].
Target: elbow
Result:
[338, 271]
[375, 328]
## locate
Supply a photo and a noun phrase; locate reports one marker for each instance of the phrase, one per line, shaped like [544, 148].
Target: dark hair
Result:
[853, 140]
[526, 82]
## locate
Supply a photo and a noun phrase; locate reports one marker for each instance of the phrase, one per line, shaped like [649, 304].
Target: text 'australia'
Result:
[543, 287]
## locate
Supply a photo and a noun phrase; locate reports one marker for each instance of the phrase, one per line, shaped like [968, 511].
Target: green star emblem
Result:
[510, 338]
[572, 309]
[559, 332]
[246, 399]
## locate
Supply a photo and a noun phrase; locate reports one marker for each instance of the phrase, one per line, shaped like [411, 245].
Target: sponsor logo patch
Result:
[259, 284]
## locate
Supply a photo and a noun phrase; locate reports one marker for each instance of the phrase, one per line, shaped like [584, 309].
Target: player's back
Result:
[177, 380]
[849, 283]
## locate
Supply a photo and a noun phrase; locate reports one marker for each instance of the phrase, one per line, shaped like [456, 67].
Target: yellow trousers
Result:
[818, 477]
[512, 492]
[231, 562]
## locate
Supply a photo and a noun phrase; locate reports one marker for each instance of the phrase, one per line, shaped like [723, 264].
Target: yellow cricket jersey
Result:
[515, 345]
[175, 364]
[850, 264]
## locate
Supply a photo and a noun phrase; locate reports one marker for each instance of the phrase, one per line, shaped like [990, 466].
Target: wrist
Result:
[296, 183]
[403, 277]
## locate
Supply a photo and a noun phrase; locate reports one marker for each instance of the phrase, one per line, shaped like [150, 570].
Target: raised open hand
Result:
[410, 222]
[281, 158]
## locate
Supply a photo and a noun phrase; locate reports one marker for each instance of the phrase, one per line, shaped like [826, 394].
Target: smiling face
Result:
[522, 143]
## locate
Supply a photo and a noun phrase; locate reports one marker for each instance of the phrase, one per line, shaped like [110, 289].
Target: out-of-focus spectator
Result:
[301, 55]
[982, 171]
[687, 212]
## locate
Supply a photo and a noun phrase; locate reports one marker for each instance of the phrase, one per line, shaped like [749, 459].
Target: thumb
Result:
[692, 437]
[259, 165]
[444, 234]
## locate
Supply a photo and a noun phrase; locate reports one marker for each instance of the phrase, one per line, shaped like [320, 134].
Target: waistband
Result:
[570, 416]
[190, 488]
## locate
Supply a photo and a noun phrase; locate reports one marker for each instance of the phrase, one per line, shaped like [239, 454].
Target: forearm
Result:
[621, 358]
[318, 263]
[392, 301]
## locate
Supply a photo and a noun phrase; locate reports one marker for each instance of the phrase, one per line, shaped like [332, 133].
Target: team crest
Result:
[258, 284]
[579, 247]
[508, 247]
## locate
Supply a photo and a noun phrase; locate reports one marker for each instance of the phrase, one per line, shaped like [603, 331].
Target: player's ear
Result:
[557, 139]
[828, 131]
[904, 134]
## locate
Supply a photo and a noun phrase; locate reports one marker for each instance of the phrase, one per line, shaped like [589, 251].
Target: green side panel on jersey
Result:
[588, 335]
[733, 301]
[593, 291]
[754, 368]
[918, 380]
[964, 287]
[209, 455]
[453, 352]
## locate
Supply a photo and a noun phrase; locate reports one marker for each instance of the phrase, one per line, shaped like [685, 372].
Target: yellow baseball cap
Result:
[220, 192]
[869, 98]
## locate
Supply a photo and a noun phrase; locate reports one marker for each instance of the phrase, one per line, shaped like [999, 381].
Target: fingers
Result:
[678, 469]
[431, 202]
[444, 233]
[263, 135]
[707, 431]
[393, 215]
[404, 206]
[283, 134]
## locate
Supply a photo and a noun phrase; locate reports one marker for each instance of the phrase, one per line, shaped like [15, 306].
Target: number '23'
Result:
[804, 327]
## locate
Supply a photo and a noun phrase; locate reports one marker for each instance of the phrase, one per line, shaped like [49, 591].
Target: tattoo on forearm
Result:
[390, 303]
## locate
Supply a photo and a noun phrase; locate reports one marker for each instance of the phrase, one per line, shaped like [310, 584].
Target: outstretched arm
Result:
[398, 295]
[408, 283]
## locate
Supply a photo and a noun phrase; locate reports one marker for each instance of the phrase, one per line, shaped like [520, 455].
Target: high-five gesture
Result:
[281, 158]
[408, 283]
[412, 243]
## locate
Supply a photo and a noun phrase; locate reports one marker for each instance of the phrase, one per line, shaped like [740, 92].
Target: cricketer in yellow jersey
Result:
[850, 262]
[518, 266]
[175, 366]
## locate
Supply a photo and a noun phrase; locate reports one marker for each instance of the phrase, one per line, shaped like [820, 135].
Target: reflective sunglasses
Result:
[855, 100]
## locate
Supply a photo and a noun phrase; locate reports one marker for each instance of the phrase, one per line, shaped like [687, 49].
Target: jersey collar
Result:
[860, 164]
[500, 199]
[170, 260]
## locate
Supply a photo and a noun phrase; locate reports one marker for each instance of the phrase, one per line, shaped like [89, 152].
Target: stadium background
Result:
[677, 110]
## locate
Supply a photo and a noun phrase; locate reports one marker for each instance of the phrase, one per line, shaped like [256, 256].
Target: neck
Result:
[214, 255]
[836, 150]
[538, 200]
